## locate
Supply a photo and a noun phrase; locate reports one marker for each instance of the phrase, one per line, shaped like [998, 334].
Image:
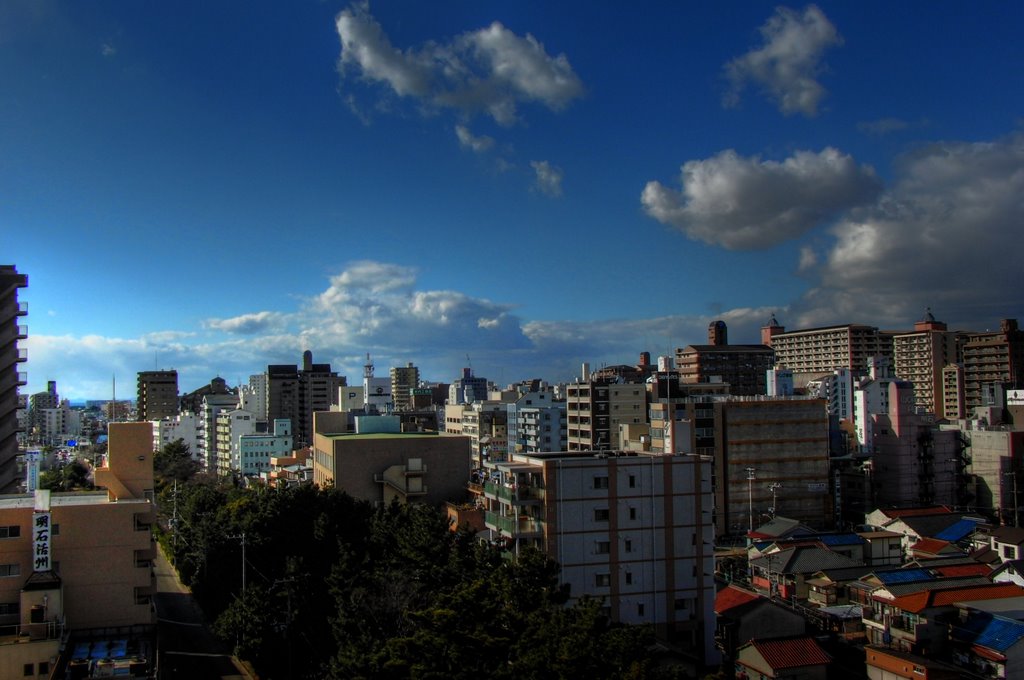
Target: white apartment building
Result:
[183, 426]
[56, 425]
[256, 450]
[871, 398]
[632, 528]
[253, 397]
[231, 427]
[837, 391]
[206, 427]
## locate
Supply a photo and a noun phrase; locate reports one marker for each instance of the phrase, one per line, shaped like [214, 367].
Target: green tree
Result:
[173, 462]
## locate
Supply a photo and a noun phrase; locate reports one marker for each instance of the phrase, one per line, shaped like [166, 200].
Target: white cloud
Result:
[247, 324]
[468, 141]
[749, 204]
[789, 62]
[491, 70]
[547, 178]
[949, 235]
[108, 50]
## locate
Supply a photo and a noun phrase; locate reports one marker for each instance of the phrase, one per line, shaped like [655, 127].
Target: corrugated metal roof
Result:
[993, 632]
[731, 597]
[958, 531]
[791, 652]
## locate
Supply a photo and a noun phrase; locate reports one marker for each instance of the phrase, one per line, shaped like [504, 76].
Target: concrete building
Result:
[743, 367]
[594, 411]
[78, 565]
[779, 382]
[993, 358]
[11, 378]
[297, 394]
[913, 463]
[37, 404]
[231, 426]
[536, 422]
[379, 462]
[157, 395]
[996, 471]
[921, 356]
[184, 426]
[954, 399]
[211, 406]
[836, 389]
[253, 397]
[871, 398]
[467, 389]
[256, 451]
[404, 379]
[193, 401]
[633, 529]
[814, 352]
[59, 425]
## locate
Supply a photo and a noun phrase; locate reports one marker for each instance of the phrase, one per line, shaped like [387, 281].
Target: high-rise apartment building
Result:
[993, 358]
[815, 352]
[743, 367]
[404, 379]
[920, 356]
[467, 389]
[11, 331]
[631, 528]
[954, 401]
[594, 411]
[157, 395]
[297, 394]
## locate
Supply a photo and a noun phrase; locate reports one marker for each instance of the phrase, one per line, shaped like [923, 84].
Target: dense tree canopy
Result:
[336, 588]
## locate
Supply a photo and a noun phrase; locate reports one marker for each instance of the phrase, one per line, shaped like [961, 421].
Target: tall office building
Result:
[993, 358]
[11, 378]
[297, 394]
[157, 395]
[920, 356]
[743, 367]
[404, 379]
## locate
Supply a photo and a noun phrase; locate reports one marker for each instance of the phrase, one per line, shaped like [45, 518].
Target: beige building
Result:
[993, 358]
[921, 356]
[815, 352]
[404, 379]
[595, 410]
[954, 399]
[379, 462]
[630, 528]
[80, 563]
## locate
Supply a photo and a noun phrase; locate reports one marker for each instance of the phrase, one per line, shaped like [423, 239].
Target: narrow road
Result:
[187, 649]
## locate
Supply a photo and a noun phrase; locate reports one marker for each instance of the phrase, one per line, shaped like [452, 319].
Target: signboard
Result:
[32, 470]
[41, 541]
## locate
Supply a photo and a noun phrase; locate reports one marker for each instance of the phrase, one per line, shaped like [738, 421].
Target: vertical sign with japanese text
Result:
[32, 470]
[41, 541]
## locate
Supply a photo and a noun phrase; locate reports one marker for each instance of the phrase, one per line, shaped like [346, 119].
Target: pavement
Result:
[186, 647]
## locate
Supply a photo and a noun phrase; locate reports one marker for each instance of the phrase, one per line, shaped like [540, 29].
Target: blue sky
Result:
[214, 186]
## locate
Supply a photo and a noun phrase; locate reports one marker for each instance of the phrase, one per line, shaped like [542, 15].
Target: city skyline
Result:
[518, 188]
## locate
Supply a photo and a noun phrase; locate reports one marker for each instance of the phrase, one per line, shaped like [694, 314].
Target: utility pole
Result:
[775, 486]
[750, 498]
[242, 537]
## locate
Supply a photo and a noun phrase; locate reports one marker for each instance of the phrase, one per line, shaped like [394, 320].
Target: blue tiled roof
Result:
[993, 632]
[904, 575]
[841, 539]
[958, 531]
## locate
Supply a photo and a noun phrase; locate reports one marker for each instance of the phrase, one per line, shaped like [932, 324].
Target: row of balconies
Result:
[521, 494]
[515, 526]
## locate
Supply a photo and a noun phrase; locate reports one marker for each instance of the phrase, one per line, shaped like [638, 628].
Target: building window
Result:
[9, 609]
[44, 668]
[601, 515]
[30, 670]
[628, 545]
[632, 513]
[603, 580]
[680, 604]
[632, 481]
[602, 548]
[1009, 552]
[12, 531]
[142, 595]
[8, 570]
[640, 609]
[629, 578]
[600, 482]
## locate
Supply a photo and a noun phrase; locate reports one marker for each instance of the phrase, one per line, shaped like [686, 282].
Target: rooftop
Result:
[785, 653]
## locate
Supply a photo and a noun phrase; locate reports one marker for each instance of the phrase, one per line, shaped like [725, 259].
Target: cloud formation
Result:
[247, 324]
[749, 204]
[491, 70]
[467, 140]
[787, 65]
[547, 178]
[950, 233]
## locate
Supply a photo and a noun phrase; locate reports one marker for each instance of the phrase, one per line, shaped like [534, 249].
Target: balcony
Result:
[515, 495]
[22, 332]
[516, 527]
[22, 309]
[22, 378]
